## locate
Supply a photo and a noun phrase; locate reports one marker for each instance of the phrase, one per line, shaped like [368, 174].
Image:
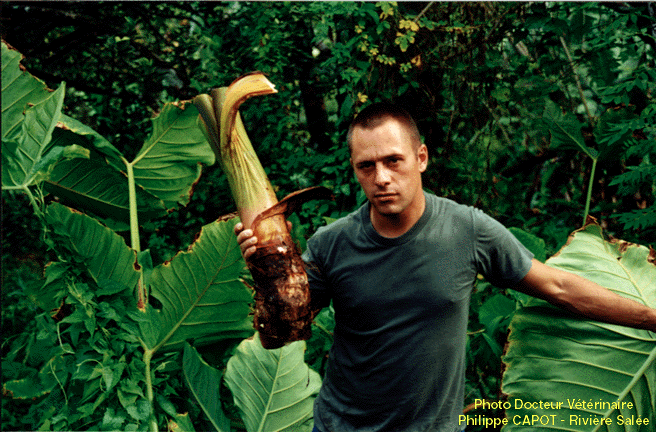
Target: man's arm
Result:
[579, 295]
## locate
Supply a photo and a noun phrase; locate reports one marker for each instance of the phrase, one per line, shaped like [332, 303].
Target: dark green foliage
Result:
[514, 100]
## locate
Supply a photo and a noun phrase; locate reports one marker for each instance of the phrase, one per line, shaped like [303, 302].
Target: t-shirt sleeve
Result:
[500, 257]
[316, 276]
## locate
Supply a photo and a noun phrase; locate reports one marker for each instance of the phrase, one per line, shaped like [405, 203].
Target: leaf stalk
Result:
[589, 195]
[152, 420]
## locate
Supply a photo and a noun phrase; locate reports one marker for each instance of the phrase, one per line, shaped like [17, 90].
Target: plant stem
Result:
[33, 201]
[589, 197]
[423, 11]
[142, 294]
[152, 421]
[134, 218]
[141, 290]
[578, 81]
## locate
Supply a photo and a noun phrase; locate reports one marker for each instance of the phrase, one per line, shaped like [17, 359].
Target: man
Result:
[400, 271]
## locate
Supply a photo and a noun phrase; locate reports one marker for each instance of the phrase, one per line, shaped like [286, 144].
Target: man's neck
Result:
[395, 225]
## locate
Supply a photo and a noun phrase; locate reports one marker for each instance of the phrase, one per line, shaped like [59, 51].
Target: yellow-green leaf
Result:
[555, 357]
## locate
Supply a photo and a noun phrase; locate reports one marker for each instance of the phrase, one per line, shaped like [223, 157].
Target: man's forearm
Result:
[599, 303]
[585, 297]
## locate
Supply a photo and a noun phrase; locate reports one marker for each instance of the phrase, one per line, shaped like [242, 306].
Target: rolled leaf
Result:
[282, 311]
[248, 182]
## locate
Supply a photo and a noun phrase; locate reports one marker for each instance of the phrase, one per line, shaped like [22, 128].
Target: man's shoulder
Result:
[447, 207]
[345, 225]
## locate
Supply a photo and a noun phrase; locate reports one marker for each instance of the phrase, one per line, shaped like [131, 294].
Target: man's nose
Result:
[382, 177]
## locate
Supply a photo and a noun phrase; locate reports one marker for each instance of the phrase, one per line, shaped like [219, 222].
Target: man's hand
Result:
[247, 240]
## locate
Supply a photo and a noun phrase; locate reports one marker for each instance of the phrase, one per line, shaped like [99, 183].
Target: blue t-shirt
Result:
[401, 311]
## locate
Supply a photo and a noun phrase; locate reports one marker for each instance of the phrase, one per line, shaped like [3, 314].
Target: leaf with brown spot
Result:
[200, 291]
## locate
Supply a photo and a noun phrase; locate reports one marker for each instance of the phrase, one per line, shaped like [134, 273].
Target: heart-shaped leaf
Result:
[200, 291]
[168, 164]
[97, 185]
[275, 389]
[556, 357]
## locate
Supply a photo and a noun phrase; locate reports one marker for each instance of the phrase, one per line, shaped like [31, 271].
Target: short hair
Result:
[375, 114]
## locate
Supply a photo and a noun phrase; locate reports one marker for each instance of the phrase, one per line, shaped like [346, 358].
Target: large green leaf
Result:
[201, 294]
[275, 389]
[165, 169]
[19, 89]
[556, 357]
[168, 164]
[565, 130]
[104, 252]
[97, 185]
[77, 236]
[204, 381]
[30, 114]
[24, 155]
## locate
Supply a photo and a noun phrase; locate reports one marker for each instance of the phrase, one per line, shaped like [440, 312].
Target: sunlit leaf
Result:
[181, 423]
[554, 356]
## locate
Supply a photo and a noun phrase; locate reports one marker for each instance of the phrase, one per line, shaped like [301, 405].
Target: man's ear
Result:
[422, 156]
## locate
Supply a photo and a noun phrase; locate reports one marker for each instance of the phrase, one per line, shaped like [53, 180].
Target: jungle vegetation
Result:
[539, 113]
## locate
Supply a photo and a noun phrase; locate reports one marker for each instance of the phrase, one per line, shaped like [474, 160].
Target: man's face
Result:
[388, 167]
